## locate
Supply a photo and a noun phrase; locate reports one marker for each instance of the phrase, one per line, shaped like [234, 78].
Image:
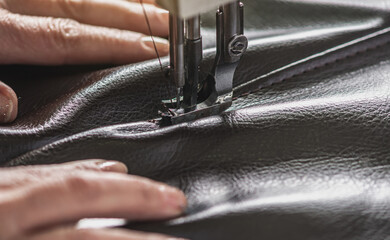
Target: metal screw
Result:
[238, 46]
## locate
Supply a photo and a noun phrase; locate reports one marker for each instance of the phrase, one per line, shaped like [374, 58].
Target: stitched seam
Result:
[317, 67]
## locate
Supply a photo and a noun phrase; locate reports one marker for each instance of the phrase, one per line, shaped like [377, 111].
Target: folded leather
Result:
[302, 153]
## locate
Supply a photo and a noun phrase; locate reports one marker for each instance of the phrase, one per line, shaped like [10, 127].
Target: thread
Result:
[155, 49]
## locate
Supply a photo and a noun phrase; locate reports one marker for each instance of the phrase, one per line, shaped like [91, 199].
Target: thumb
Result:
[8, 104]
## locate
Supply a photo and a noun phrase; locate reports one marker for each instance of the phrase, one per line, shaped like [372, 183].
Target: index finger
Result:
[90, 195]
[118, 14]
[49, 41]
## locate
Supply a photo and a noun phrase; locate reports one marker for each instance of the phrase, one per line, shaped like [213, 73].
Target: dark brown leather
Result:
[303, 153]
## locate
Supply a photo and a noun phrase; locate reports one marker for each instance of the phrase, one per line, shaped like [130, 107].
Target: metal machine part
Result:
[197, 98]
[190, 8]
[193, 60]
[176, 38]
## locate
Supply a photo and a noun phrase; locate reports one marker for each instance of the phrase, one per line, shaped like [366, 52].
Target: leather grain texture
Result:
[303, 153]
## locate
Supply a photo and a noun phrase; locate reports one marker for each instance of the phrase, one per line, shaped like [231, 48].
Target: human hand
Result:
[58, 32]
[44, 202]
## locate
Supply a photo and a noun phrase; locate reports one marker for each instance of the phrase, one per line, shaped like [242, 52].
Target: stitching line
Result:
[313, 68]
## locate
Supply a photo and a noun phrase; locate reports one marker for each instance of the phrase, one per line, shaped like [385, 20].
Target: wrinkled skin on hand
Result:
[59, 32]
[44, 203]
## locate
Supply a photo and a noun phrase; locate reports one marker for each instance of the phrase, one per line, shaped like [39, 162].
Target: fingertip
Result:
[161, 200]
[163, 16]
[8, 104]
[113, 166]
[159, 19]
[98, 165]
[174, 198]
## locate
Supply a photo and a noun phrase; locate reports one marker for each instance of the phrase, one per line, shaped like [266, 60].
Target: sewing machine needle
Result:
[178, 96]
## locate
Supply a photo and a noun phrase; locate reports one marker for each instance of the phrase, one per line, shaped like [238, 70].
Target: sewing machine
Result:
[200, 96]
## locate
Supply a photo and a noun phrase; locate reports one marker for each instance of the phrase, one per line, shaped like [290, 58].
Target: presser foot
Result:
[177, 116]
[210, 103]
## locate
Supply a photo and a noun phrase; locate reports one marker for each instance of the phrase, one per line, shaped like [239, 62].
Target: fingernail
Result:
[174, 198]
[163, 22]
[7, 108]
[162, 44]
[162, 11]
[113, 166]
[163, 15]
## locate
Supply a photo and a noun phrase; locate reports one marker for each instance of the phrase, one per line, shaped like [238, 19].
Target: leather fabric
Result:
[303, 153]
